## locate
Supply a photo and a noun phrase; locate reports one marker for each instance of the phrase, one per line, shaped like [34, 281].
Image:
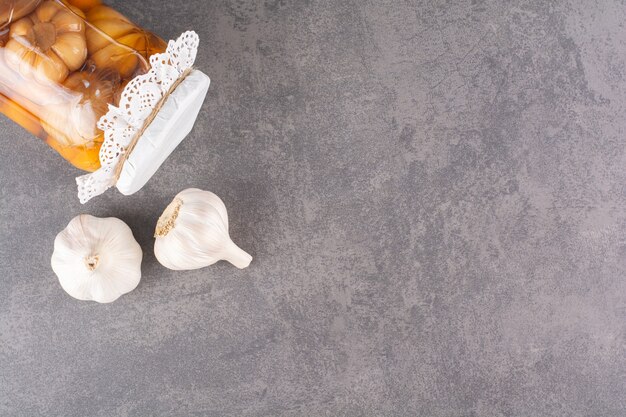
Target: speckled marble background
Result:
[434, 194]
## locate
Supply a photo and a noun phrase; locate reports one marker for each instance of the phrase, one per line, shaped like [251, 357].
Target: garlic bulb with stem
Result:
[97, 258]
[192, 233]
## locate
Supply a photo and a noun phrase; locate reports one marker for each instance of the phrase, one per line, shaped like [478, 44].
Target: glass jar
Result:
[62, 63]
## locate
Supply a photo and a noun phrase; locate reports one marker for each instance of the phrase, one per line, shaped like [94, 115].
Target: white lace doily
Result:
[139, 98]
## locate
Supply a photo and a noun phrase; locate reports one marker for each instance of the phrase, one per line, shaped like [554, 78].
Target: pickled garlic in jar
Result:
[62, 63]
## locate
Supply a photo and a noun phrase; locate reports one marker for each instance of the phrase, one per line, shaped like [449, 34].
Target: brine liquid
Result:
[64, 112]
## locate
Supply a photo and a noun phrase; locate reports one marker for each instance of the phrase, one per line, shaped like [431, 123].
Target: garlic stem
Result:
[236, 256]
[91, 262]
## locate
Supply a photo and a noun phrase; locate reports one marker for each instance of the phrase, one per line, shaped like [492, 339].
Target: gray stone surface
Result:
[434, 194]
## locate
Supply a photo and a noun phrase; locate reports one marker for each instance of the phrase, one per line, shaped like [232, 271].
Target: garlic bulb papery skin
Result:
[97, 259]
[192, 233]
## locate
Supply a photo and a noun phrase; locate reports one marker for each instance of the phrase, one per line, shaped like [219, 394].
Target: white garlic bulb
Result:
[192, 233]
[97, 259]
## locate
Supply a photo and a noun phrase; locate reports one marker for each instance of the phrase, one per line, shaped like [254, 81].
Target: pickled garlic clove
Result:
[109, 21]
[120, 58]
[49, 43]
[46, 11]
[113, 28]
[84, 4]
[48, 66]
[21, 27]
[102, 12]
[68, 22]
[74, 42]
[15, 10]
[133, 46]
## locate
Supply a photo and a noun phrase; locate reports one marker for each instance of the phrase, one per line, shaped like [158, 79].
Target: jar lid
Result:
[170, 126]
[156, 111]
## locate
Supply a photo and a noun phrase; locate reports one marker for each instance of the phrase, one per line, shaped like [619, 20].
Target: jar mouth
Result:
[172, 124]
